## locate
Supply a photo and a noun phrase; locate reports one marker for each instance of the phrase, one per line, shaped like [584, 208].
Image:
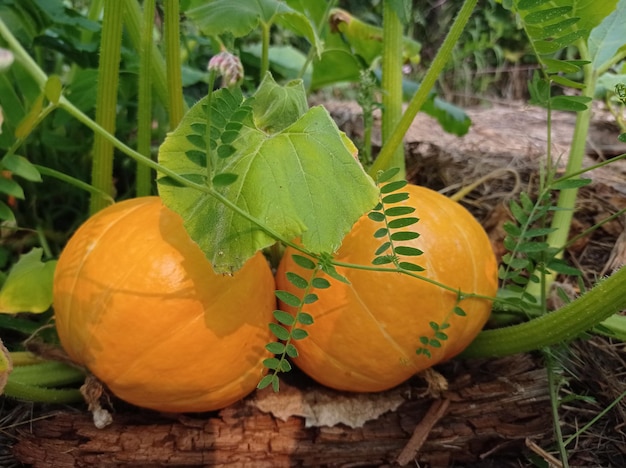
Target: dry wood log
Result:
[491, 407]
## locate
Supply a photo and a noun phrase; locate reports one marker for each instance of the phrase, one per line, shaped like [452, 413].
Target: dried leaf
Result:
[325, 407]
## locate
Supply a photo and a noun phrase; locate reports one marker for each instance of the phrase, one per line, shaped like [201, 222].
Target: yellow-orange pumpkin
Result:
[138, 304]
[365, 334]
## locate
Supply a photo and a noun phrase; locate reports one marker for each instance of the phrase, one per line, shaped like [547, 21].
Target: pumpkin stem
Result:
[35, 380]
[385, 157]
[570, 321]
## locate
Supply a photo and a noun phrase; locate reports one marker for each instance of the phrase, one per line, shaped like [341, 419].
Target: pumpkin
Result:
[138, 304]
[365, 334]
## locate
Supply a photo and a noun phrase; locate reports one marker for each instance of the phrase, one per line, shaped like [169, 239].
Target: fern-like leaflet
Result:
[289, 328]
[394, 218]
[528, 256]
[551, 29]
[391, 251]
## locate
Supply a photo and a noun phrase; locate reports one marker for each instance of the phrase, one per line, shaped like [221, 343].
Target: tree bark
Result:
[489, 407]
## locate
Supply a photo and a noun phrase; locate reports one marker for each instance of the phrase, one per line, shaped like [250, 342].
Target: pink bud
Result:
[228, 66]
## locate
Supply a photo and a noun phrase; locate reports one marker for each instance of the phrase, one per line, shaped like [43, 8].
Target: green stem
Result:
[265, 50]
[24, 358]
[172, 60]
[43, 241]
[391, 83]
[133, 21]
[81, 117]
[554, 387]
[46, 171]
[47, 374]
[86, 35]
[320, 28]
[106, 100]
[617, 58]
[208, 150]
[443, 54]
[566, 203]
[94, 12]
[37, 394]
[597, 417]
[605, 299]
[23, 57]
[38, 75]
[144, 118]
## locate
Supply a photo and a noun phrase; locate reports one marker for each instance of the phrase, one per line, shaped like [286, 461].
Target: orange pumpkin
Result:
[139, 305]
[365, 335]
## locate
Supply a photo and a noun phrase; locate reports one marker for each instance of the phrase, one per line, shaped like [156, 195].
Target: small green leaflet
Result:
[294, 180]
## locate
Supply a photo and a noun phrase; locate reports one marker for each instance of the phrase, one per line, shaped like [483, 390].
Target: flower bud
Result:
[228, 66]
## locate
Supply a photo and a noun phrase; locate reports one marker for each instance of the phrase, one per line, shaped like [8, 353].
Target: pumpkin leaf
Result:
[292, 176]
[241, 17]
[28, 287]
[608, 37]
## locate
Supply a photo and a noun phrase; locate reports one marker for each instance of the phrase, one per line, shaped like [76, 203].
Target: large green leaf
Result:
[336, 64]
[28, 287]
[286, 61]
[298, 178]
[241, 17]
[313, 10]
[608, 37]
